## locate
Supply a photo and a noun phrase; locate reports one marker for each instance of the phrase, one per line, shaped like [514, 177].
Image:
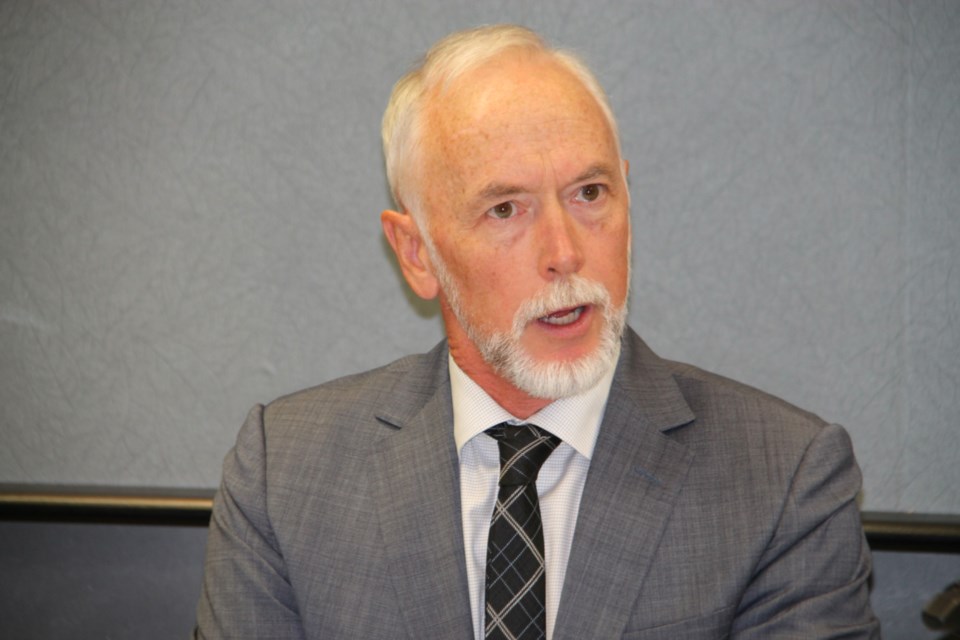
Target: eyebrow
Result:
[497, 190]
[598, 170]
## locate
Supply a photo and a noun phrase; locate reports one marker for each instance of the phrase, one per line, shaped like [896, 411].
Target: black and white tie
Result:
[516, 584]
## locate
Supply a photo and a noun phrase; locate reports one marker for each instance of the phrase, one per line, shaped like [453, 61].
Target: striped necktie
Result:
[516, 583]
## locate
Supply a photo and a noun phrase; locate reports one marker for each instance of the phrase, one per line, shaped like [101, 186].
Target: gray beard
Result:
[504, 352]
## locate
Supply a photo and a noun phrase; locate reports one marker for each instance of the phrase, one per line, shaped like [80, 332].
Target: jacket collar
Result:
[636, 474]
[415, 480]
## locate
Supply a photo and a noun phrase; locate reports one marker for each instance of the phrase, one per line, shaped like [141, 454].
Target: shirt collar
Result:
[575, 420]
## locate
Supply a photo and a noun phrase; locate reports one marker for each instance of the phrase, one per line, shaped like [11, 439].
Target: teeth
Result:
[564, 319]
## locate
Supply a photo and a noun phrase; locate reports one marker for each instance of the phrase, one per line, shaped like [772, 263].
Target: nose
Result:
[560, 243]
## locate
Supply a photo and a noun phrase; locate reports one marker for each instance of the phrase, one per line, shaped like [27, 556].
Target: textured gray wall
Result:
[189, 200]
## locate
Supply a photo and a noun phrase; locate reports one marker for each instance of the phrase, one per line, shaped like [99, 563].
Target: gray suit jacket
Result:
[711, 510]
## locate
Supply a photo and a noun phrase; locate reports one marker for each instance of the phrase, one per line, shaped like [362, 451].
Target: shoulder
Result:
[737, 424]
[409, 380]
[710, 402]
[743, 426]
[774, 456]
[324, 435]
[351, 405]
[733, 429]
[713, 396]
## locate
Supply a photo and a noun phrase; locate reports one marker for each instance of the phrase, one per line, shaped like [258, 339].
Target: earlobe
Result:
[404, 237]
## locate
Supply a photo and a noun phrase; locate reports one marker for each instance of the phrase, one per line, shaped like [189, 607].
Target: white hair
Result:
[446, 61]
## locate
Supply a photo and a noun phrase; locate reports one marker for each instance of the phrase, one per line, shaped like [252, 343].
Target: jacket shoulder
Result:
[758, 443]
[715, 397]
[349, 406]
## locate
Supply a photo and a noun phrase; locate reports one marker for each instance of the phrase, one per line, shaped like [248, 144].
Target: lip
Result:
[564, 326]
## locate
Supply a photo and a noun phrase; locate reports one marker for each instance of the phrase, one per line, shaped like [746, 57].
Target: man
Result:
[670, 502]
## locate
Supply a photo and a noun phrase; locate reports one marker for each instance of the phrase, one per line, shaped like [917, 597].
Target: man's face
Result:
[525, 198]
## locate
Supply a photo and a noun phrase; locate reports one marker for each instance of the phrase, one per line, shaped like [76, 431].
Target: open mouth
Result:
[564, 316]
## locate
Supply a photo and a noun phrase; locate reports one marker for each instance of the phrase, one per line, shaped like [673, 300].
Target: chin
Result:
[559, 378]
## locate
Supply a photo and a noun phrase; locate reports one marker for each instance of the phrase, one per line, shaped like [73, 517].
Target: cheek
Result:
[482, 285]
[498, 288]
[496, 291]
[614, 265]
[487, 264]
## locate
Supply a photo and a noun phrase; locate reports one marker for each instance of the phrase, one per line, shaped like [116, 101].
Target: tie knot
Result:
[523, 450]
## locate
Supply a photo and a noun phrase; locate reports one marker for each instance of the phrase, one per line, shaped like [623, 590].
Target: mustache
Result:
[572, 291]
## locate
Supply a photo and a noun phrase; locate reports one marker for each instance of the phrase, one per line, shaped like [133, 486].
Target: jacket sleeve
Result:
[246, 591]
[812, 580]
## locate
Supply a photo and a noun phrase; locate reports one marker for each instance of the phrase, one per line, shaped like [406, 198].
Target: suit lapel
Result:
[636, 474]
[416, 484]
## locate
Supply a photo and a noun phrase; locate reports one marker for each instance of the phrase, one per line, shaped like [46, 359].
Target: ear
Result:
[404, 236]
[625, 168]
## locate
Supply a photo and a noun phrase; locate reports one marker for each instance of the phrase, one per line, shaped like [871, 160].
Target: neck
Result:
[517, 402]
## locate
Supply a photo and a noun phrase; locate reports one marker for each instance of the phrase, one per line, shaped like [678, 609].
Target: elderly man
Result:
[541, 473]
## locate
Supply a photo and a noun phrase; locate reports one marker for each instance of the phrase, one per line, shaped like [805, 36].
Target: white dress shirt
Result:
[576, 421]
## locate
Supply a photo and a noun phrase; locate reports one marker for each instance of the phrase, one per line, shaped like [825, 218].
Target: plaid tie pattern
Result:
[515, 593]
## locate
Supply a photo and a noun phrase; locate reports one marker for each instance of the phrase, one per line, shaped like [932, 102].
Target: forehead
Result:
[518, 104]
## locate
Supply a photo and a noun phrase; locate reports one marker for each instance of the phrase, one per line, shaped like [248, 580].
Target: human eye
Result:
[590, 192]
[503, 211]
